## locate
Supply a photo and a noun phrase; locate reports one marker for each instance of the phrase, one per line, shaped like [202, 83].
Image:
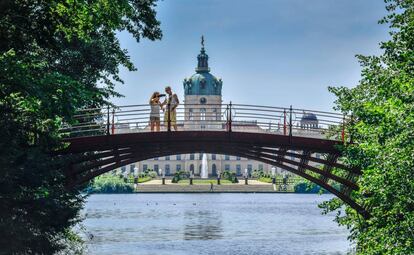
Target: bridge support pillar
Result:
[163, 180]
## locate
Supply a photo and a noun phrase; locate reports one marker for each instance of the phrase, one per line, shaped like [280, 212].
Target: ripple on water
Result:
[212, 224]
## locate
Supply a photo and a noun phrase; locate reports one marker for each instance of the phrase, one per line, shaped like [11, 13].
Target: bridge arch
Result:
[101, 154]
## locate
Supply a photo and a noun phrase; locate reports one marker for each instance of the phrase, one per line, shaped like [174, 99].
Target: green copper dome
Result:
[202, 82]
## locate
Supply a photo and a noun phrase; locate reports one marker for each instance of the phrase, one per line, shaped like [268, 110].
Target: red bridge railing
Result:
[230, 117]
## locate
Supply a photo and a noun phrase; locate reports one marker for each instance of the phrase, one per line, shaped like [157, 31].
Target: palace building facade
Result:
[203, 110]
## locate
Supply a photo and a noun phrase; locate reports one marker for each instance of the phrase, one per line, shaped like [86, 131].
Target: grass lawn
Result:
[204, 181]
[265, 179]
[144, 179]
[140, 179]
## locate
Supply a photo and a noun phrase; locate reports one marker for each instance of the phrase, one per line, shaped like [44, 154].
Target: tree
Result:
[383, 134]
[55, 57]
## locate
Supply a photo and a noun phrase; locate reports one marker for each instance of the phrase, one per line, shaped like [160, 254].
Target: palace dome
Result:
[202, 82]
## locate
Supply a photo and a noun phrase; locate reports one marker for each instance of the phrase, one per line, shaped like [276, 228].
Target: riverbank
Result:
[109, 184]
[204, 186]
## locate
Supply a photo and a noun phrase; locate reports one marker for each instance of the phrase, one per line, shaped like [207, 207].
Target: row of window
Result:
[167, 168]
[214, 157]
[200, 157]
[203, 114]
[177, 157]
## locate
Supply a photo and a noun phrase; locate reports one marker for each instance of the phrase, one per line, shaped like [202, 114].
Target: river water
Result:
[211, 224]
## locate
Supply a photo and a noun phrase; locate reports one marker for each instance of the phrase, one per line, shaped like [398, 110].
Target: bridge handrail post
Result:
[230, 117]
[113, 121]
[284, 122]
[107, 121]
[227, 117]
[290, 123]
[169, 117]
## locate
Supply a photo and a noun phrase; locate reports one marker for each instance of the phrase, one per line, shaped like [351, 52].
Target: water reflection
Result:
[202, 225]
[188, 224]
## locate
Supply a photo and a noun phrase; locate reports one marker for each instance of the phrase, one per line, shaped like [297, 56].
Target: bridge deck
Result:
[287, 138]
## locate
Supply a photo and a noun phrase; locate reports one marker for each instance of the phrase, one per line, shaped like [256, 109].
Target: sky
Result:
[267, 52]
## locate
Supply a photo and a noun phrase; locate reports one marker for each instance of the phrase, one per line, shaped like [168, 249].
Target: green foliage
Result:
[55, 57]
[180, 175]
[108, 183]
[299, 185]
[141, 179]
[231, 176]
[144, 176]
[383, 133]
[257, 173]
[307, 187]
[152, 174]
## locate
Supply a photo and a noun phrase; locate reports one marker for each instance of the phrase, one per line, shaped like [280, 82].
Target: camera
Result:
[161, 95]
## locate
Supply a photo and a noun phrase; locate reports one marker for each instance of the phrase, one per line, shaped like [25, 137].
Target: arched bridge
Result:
[305, 143]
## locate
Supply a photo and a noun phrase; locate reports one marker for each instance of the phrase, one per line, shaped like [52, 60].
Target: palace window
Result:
[178, 168]
[227, 167]
[167, 169]
[238, 169]
[260, 166]
[215, 112]
[190, 114]
[144, 167]
[131, 168]
[213, 156]
[226, 157]
[238, 158]
[156, 168]
[214, 170]
[178, 157]
[191, 156]
[167, 158]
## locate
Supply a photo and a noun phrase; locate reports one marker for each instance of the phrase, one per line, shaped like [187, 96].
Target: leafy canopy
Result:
[55, 57]
[383, 133]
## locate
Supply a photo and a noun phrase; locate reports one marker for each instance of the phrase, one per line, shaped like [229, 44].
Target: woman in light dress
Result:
[155, 111]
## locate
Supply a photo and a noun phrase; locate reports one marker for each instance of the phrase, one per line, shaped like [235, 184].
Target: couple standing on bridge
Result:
[169, 107]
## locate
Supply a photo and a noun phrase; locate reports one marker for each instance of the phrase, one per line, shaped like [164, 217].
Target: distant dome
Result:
[309, 117]
[202, 82]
